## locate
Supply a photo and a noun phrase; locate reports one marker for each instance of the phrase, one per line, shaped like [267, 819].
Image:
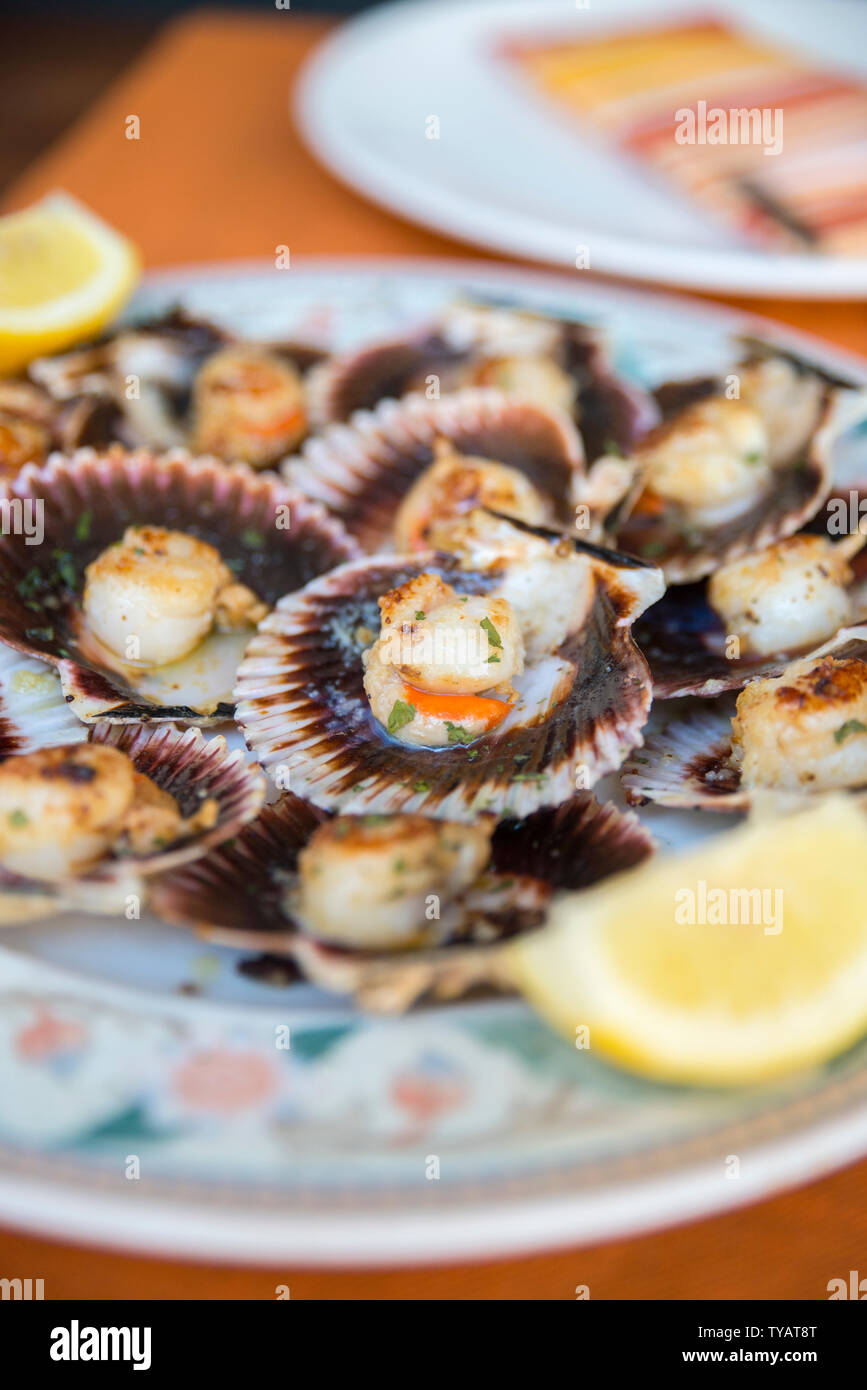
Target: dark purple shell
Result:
[688, 764]
[89, 499]
[236, 896]
[609, 411]
[304, 713]
[684, 643]
[687, 550]
[361, 472]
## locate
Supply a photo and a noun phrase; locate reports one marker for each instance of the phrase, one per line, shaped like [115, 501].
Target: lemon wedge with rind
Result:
[669, 985]
[64, 274]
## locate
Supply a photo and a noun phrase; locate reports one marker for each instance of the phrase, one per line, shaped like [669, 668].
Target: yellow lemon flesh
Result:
[731, 964]
[63, 275]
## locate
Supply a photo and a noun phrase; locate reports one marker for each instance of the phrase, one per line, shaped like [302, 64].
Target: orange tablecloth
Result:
[220, 172]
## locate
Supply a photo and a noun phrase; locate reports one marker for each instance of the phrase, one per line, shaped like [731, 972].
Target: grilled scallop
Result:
[153, 571]
[737, 464]
[798, 733]
[386, 881]
[248, 404]
[455, 483]
[547, 583]
[713, 460]
[804, 730]
[786, 598]
[63, 809]
[152, 597]
[441, 671]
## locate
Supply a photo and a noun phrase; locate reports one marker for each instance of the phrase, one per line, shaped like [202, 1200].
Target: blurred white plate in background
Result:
[510, 172]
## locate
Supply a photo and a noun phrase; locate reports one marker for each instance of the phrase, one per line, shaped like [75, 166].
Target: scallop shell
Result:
[185, 764]
[684, 643]
[362, 471]
[87, 501]
[235, 898]
[164, 354]
[304, 713]
[609, 410]
[687, 552]
[61, 424]
[687, 765]
[33, 711]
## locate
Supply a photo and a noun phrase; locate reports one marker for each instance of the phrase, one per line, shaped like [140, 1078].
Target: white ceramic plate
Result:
[322, 1154]
[509, 172]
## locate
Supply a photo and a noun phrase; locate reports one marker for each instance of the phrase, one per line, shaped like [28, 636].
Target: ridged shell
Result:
[687, 765]
[235, 897]
[608, 409]
[165, 355]
[362, 471]
[684, 643]
[185, 764]
[304, 713]
[33, 711]
[687, 551]
[89, 498]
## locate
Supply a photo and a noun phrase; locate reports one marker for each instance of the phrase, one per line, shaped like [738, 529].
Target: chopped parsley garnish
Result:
[419, 617]
[401, 713]
[18, 818]
[493, 635]
[754, 456]
[852, 726]
[40, 634]
[421, 785]
[30, 584]
[82, 527]
[457, 733]
[252, 539]
[491, 659]
[66, 568]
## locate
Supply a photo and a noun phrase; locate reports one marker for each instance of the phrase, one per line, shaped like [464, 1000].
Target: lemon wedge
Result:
[730, 964]
[63, 275]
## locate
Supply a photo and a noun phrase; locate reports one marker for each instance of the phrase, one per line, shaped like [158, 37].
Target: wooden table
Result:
[219, 172]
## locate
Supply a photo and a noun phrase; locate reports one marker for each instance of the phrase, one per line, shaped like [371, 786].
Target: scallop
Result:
[752, 616]
[801, 732]
[804, 729]
[386, 881]
[248, 404]
[153, 572]
[736, 464]
[63, 809]
[180, 381]
[368, 927]
[85, 825]
[385, 474]
[307, 685]
[712, 460]
[151, 597]
[455, 483]
[554, 363]
[789, 597]
[437, 643]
